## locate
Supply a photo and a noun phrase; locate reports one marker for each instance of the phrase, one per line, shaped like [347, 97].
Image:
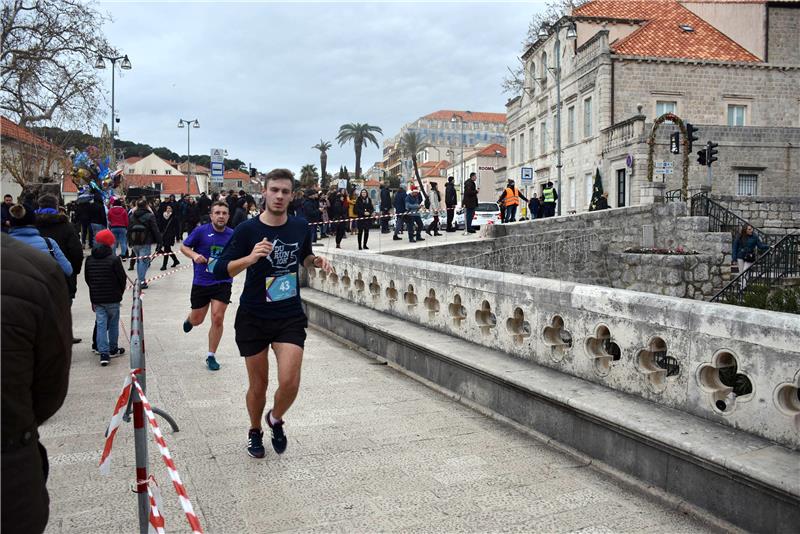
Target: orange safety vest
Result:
[512, 197]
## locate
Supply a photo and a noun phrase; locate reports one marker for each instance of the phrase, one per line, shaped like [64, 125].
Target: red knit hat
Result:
[105, 237]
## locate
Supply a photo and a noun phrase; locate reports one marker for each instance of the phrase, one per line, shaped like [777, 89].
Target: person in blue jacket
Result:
[746, 247]
[23, 228]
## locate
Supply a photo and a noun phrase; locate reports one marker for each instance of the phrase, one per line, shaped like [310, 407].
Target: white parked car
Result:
[485, 213]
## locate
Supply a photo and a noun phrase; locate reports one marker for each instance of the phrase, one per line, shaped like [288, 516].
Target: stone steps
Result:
[693, 224]
[740, 478]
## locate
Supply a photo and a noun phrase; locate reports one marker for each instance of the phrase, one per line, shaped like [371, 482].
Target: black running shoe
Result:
[278, 436]
[187, 326]
[255, 443]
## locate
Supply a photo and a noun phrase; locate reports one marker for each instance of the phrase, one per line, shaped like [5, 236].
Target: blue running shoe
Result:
[255, 443]
[212, 364]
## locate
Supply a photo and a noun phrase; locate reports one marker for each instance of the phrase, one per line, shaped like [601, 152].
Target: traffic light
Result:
[253, 172]
[675, 143]
[711, 153]
[691, 135]
[701, 157]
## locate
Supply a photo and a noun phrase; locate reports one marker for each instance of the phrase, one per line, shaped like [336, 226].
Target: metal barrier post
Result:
[139, 428]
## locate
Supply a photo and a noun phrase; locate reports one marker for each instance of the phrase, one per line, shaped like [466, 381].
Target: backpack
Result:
[137, 232]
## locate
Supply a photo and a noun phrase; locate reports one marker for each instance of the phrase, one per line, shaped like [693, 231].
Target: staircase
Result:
[779, 266]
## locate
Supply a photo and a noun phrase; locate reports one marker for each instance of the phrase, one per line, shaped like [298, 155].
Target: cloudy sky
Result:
[269, 80]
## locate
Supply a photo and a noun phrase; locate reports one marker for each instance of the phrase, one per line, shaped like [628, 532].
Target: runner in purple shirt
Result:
[204, 246]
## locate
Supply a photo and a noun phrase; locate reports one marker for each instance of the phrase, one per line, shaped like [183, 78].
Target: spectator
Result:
[204, 207]
[534, 207]
[386, 208]
[312, 212]
[8, 201]
[470, 202]
[399, 210]
[339, 215]
[412, 215]
[745, 249]
[351, 212]
[143, 233]
[169, 226]
[364, 211]
[450, 203]
[323, 208]
[55, 225]
[436, 206]
[97, 213]
[602, 202]
[83, 216]
[233, 202]
[23, 228]
[242, 212]
[36, 354]
[118, 224]
[106, 279]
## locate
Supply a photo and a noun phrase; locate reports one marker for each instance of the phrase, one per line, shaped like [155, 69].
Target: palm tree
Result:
[412, 143]
[323, 147]
[308, 175]
[360, 135]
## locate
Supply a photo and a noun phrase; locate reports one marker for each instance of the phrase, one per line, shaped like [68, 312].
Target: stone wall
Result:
[703, 89]
[588, 248]
[784, 35]
[774, 215]
[671, 351]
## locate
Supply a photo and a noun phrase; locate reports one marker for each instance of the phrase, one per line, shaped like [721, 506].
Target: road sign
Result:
[217, 165]
[527, 175]
[664, 165]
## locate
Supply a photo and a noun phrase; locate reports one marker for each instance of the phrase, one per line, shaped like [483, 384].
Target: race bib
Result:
[281, 287]
[216, 250]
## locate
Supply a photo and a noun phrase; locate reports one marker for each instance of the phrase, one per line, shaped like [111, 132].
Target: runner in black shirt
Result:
[271, 247]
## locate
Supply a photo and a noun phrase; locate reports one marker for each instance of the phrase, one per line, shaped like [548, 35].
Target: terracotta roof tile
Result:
[479, 116]
[435, 170]
[132, 159]
[490, 150]
[12, 130]
[234, 174]
[661, 35]
[170, 185]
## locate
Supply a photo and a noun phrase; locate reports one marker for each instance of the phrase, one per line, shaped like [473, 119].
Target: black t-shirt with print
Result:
[271, 288]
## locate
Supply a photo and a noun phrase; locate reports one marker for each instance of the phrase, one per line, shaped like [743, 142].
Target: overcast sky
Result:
[268, 80]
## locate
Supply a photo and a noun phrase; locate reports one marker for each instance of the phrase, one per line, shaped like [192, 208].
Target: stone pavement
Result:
[369, 448]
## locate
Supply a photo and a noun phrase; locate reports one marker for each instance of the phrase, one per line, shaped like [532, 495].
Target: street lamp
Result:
[125, 64]
[571, 35]
[194, 124]
[459, 118]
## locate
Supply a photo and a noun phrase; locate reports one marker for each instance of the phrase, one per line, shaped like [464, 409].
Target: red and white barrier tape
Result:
[172, 271]
[156, 519]
[105, 459]
[183, 497]
[375, 216]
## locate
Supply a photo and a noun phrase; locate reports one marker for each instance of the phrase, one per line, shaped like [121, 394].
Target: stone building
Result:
[443, 134]
[730, 68]
[483, 161]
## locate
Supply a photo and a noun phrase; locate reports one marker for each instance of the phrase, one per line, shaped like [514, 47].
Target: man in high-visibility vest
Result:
[509, 201]
[549, 198]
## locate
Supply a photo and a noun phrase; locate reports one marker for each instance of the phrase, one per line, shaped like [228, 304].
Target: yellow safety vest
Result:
[548, 195]
[512, 197]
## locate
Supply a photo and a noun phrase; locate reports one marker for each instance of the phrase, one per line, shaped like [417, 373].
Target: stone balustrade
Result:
[731, 365]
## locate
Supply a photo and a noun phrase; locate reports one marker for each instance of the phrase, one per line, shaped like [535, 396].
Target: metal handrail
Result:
[780, 261]
[721, 219]
[673, 195]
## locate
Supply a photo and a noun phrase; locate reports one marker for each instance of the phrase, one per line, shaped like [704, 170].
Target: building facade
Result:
[483, 161]
[445, 132]
[629, 63]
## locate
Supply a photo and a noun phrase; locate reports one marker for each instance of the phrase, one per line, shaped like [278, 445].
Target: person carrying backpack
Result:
[143, 233]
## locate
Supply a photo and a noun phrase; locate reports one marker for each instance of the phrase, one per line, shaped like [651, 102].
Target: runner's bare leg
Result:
[196, 317]
[217, 317]
[257, 376]
[290, 359]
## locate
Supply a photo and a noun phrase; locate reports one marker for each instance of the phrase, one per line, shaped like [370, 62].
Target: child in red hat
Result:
[106, 279]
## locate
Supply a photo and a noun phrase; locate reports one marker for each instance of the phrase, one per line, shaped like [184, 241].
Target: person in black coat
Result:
[37, 350]
[450, 202]
[364, 211]
[312, 212]
[399, 210]
[386, 208]
[534, 207]
[338, 213]
[242, 212]
[203, 208]
[56, 226]
[169, 226]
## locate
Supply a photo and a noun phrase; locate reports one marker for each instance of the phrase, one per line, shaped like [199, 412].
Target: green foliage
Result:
[393, 180]
[781, 299]
[360, 135]
[308, 176]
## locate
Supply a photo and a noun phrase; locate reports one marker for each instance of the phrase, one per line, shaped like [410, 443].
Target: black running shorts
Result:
[254, 334]
[202, 295]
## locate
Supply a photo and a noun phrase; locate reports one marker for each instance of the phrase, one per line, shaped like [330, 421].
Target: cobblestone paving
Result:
[369, 449]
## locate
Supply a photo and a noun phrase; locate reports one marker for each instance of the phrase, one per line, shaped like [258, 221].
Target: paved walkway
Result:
[369, 449]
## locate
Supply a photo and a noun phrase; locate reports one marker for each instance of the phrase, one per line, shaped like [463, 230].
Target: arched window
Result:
[543, 75]
[532, 77]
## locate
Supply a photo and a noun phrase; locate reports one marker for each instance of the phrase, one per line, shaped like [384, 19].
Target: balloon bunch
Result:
[91, 173]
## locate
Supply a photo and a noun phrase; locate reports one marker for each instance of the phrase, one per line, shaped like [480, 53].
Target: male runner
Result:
[203, 246]
[271, 247]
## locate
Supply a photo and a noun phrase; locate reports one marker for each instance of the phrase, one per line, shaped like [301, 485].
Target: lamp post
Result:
[125, 64]
[189, 125]
[571, 35]
[459, 118]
